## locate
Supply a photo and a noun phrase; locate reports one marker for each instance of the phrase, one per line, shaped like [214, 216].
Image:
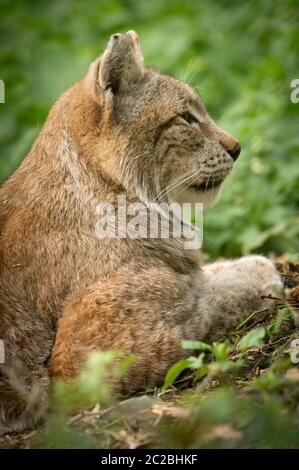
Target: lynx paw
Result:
[262, 273]
[255, 271]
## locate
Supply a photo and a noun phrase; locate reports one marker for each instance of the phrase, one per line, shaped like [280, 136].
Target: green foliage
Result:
[227, 419]
[92, 385]
[220, 367]
[255, 337]
[283, 322]
[241, 63]
[92, 388]
[198, 345]
[257, 412]
[179, 367]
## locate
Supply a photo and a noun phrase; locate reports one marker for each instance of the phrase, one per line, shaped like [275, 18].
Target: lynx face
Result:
[157, 139]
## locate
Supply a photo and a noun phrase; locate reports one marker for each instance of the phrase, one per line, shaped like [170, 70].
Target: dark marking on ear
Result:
[121, 65]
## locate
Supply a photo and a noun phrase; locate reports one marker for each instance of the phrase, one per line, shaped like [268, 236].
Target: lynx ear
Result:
[121, 65]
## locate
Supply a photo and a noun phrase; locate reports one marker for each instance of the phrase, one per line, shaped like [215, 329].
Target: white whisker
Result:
[173, 184]
[196, 174]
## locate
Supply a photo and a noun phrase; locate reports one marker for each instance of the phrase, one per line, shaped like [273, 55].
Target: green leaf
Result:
[255, 337]
[283, 322]
[220, 351]
[177, 368]
[188, 344]
[201, 372]
[174, 371]
[196, 362]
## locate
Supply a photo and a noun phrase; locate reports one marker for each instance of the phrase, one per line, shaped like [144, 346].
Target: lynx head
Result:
[151, 132]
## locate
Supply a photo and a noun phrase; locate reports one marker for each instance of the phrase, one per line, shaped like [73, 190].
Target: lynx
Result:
[122, 130]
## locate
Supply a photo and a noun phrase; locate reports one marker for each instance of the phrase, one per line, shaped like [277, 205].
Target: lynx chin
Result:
[123, 129]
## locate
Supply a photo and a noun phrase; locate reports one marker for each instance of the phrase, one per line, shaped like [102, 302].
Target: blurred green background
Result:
[240, 56]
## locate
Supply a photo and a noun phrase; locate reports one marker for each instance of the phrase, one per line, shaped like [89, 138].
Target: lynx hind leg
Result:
[146, 313]
[23, 399]
[155, 346]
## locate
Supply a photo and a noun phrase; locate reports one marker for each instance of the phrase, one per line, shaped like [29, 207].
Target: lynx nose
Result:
[229, 142]
[235, 151]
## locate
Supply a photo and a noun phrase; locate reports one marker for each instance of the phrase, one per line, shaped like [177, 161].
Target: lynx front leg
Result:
[234, 289]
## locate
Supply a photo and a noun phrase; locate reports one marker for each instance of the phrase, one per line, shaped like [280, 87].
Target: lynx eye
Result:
[189, 118]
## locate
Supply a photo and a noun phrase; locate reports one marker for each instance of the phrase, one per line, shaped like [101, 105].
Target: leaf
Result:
[224, 366]
[282, 323]
[188, 344]
[174, 371]
[220, 351]
[177, 368]
[196, 362]
[255, 337]
[201, 372]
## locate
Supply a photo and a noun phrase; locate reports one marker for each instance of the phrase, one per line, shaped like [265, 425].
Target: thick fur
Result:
[118, 131]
